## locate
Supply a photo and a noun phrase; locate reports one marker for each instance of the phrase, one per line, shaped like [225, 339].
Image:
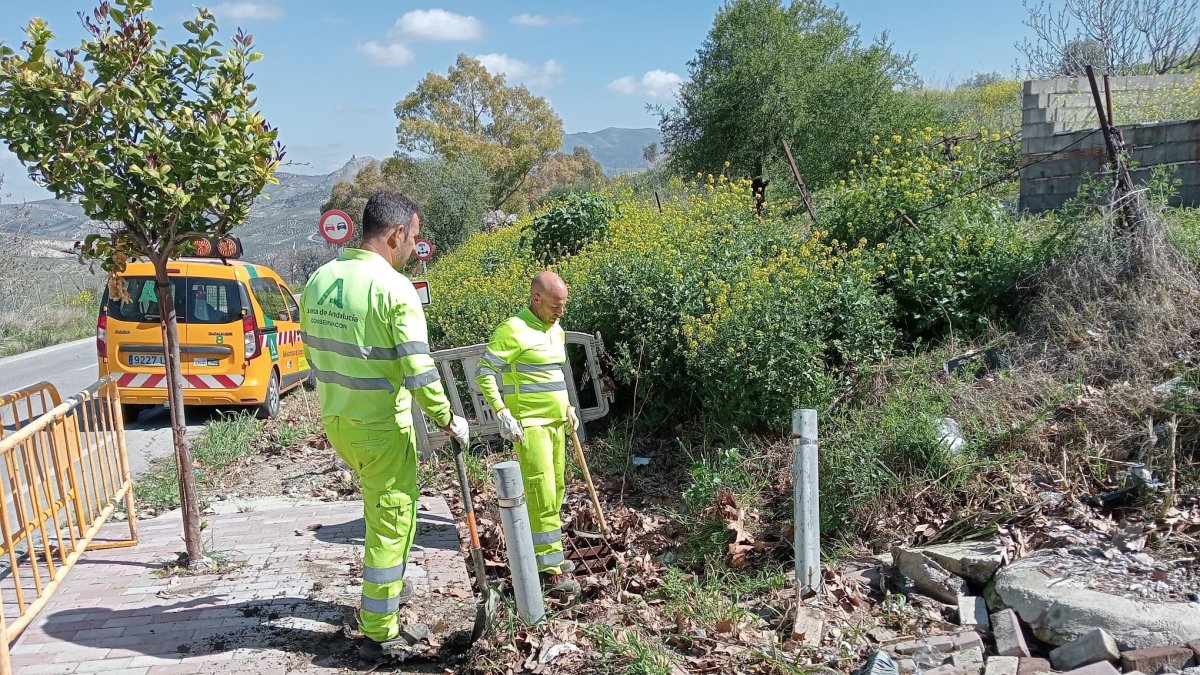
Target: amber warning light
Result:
[224, 247]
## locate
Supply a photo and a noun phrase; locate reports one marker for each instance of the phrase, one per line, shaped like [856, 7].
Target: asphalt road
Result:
[71, 367]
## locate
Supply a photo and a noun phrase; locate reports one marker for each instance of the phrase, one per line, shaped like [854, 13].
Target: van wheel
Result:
[270, 406]
[310, 383]
[130, 411]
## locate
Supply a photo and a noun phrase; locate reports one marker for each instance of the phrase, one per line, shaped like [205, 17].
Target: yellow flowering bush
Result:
[939, 227]
[770, 338]
[477, 286]
[687, 297]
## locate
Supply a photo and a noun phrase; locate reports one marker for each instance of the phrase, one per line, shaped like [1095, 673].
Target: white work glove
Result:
[460, 430]
[510, 428]
[572, 417]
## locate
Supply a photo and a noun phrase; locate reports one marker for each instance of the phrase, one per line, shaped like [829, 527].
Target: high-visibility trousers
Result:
[385, 462]
[543, 460]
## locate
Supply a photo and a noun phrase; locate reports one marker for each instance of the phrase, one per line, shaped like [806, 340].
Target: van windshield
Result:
[197, 300]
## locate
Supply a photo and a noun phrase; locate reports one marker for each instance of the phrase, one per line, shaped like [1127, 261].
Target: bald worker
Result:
[521, 377]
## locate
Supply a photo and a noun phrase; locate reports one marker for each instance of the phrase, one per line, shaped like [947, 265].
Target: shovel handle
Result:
[587, 478]
[469, 507]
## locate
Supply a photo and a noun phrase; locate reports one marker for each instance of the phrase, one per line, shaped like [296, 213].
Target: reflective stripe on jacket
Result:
[366, 341]
[522, 370]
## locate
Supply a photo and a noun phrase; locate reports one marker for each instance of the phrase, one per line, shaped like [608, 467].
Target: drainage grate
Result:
[591, 554]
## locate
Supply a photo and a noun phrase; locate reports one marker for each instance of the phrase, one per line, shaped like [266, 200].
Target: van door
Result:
[135, 344]
[293, 350]
[211, 348]
[277, 325]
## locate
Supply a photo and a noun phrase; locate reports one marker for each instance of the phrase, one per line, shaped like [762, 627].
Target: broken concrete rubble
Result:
[975, 562]
[1058, 613]
[929, 576]
[1091, 647]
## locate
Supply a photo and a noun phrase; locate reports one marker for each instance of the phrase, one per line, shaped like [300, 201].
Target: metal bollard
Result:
[806, 494]
[518, 540]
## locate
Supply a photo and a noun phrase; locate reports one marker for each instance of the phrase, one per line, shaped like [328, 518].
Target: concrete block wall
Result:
[1057, 151]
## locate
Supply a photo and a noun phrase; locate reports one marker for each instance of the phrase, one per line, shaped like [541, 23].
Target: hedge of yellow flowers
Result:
[939, 220]
[689, 299]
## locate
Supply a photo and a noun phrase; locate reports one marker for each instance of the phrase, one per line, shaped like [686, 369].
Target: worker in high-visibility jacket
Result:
[366, 341]
[522, 379]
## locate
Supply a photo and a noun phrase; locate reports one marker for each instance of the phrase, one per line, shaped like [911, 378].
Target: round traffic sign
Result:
[423, 249]
[336, 227]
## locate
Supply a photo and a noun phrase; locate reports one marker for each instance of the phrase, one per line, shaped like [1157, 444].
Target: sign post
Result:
[336, 227]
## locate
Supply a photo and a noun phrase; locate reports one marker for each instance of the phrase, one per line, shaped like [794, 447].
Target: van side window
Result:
[270, 298]
[293, 307]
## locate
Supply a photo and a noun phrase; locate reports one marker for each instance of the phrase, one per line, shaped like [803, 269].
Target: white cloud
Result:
[546, 75]
[438, 24]
[390, 55]
[248, 10]
[538, 20]
[655, 84]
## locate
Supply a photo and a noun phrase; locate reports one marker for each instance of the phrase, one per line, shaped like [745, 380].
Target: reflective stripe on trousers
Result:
[385, 461]
[543, 460]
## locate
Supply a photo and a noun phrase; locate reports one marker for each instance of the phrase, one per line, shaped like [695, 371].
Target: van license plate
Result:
[146, 360]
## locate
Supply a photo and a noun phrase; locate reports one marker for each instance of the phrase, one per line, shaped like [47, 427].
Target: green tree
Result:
[453, 194]
[769, 71]
[564, 173]
[159, 139]
[471, 112]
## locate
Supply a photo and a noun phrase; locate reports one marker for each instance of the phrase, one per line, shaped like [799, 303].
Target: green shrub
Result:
[771, 337]
[942, 236]
[566, 227]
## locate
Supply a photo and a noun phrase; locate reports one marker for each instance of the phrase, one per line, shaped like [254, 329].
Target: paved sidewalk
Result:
[279, 612]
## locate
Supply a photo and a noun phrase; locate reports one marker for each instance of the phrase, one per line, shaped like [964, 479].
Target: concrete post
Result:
[518, 540]
[806, 495]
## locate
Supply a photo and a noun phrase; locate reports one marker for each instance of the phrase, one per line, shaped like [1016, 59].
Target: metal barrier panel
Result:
[457, 367]
[64, 474]
[20, 407]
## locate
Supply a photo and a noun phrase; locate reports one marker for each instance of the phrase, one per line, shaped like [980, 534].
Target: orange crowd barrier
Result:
[64, 472]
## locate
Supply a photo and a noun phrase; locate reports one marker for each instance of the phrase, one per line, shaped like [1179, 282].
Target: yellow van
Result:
[239, 333]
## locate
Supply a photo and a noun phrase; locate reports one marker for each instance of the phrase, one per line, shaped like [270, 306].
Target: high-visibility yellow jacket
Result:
[367, 344]
[522, 370]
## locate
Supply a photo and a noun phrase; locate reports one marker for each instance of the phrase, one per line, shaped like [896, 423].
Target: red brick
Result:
[1155, 660]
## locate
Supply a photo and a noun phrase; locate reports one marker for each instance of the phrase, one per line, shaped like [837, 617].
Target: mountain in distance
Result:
[617, 150]
[289, 216]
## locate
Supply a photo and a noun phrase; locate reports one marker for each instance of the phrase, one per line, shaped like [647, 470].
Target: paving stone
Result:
[1099, 668]
[1001, 665]
[1194, 645]
[1032, 665]
[107, 617]
[968, 640]
[1156, 660]
[969, 661]
[972, 613]
[1009, 636]
[1092, 647]
[946, 669]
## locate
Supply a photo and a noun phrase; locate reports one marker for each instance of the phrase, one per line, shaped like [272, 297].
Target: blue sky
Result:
[333, 71]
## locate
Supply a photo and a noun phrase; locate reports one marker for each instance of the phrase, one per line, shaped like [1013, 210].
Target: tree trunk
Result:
[183, 452]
